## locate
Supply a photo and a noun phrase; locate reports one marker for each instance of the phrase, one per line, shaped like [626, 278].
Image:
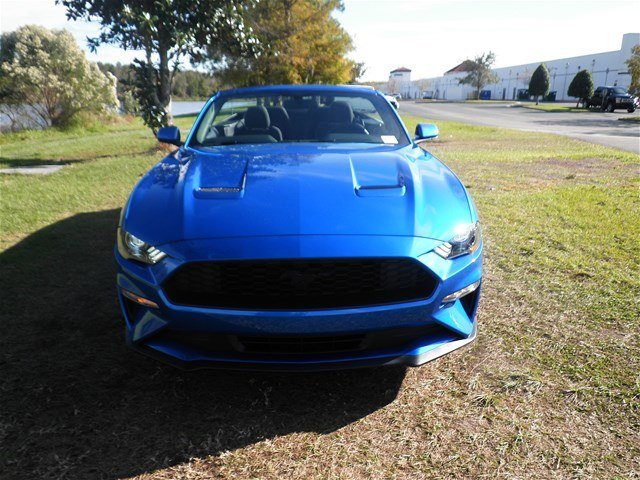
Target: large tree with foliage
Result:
[634, 68]
[167, 31]
[539, 83]
[301, 42]
[480, 72]
[581, 86]
[47, 80]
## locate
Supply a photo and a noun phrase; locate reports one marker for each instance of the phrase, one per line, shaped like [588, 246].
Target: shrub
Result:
[47, 77]
[581, 86]
[539, 83]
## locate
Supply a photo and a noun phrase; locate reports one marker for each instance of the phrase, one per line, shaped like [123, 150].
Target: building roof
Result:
[401, 69]
[465, 66]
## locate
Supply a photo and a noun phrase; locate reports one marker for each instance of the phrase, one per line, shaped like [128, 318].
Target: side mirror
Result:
[426, 131]
[170, 134]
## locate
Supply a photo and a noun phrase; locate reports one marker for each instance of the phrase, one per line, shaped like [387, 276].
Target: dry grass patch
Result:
[550, 390]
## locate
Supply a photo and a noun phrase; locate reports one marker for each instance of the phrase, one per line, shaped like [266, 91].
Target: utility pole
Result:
[566, 73]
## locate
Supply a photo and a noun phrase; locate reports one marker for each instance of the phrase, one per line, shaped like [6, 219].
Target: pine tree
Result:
[581, 86]
[539, 83]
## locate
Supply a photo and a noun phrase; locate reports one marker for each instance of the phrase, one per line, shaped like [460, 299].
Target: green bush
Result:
[581, 87]
[46, 76]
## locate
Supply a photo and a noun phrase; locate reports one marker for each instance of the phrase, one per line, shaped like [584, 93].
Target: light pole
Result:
[508, 82]
[517, 78]
[566, 74]
[593, 65]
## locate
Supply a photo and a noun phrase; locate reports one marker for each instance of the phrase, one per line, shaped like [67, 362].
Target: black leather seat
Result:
[280, 119]
[340, 119]
[257, 122]
[301, 112]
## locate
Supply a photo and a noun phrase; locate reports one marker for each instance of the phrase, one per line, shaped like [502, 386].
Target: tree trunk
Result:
[164, 84]
[578, 103]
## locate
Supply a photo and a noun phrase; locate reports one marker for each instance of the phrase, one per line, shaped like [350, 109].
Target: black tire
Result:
[631, 110]
[610, 108]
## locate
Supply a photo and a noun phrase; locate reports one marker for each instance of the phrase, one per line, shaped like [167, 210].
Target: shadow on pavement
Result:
[76, 403]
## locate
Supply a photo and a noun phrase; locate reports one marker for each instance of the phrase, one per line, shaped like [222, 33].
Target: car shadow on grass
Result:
[76, 403]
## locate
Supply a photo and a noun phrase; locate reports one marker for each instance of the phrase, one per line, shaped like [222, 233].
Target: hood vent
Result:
[223, 192]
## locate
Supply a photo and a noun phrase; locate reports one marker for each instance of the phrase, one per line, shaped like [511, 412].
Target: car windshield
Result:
[619, 91]
[271, 118]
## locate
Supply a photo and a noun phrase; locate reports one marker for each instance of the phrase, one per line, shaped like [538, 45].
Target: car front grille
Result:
[301, 345]
[299, 284]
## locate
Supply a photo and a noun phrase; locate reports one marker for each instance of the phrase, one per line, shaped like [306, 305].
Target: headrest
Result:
[340, 112]
[300, 103]
[256, 117]
[278, 114]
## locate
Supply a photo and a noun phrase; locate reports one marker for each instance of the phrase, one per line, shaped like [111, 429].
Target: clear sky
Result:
[428, 36]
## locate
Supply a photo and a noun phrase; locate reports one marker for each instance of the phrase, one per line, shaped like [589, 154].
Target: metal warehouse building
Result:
[607, 68]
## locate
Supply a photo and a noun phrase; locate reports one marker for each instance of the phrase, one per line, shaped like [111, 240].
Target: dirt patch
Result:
[544, 173]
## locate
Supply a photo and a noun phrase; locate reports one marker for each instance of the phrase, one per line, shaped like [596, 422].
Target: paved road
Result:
[594, 126]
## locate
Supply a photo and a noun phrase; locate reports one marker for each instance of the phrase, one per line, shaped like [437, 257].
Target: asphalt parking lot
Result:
[594, 126]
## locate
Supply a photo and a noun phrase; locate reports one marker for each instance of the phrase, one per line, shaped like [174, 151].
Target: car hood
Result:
[296, 189]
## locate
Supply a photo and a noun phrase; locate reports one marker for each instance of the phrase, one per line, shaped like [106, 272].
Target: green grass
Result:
[554, 107]
[549, 390]
[635, 119]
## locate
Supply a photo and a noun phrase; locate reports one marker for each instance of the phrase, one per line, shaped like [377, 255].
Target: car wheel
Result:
[610, 108]
[631, 110]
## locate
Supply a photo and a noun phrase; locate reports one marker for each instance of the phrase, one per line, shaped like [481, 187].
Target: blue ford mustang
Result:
[299, 227]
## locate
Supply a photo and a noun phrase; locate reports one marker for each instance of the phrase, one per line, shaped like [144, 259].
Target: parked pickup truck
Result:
[612, 98]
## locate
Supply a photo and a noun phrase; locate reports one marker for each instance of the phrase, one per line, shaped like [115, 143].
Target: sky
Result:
[427, 36]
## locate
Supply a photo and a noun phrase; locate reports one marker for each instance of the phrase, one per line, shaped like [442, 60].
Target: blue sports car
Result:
[299, 228]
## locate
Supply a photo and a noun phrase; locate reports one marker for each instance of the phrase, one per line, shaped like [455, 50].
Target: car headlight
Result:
[466, 240]
[132, 247]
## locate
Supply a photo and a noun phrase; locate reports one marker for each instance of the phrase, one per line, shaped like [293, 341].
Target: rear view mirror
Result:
[170, 134]
[426, 131]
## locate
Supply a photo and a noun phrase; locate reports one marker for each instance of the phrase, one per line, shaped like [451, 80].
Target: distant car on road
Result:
[392, 100]
[612, 98]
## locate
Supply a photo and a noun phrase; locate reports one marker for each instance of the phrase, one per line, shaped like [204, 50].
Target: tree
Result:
[634, 68]
[480, 73]
[167, 31]
[301, 43]
[539, 83]
[47, 78]
[357, 71]
[581, 86]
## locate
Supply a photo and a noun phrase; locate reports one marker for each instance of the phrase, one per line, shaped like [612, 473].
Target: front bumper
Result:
[626, 104]
[434, 330]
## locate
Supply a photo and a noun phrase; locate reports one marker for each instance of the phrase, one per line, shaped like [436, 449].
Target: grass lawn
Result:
[551, 388]
[554, 107]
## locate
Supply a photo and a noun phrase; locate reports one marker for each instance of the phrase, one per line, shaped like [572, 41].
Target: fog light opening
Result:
[453, 297]
[139, 300]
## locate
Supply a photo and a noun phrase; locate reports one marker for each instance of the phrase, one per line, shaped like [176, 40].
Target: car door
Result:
[597, 97]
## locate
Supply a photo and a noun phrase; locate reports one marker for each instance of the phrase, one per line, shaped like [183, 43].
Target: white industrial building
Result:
[400, 83]
[607, 68]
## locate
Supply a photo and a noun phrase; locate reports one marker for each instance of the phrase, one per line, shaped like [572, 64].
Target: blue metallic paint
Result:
[292, 200]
